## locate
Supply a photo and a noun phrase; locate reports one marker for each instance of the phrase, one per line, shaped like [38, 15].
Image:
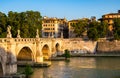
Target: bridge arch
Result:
[45, 51]
[57, 47]
[58, 50]
[25, 53]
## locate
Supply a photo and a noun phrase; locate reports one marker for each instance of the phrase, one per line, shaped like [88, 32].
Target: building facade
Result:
[53, 27]
[110, 19]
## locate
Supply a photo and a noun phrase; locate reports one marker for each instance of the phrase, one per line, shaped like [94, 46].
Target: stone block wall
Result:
[108, 46]
[77, 44]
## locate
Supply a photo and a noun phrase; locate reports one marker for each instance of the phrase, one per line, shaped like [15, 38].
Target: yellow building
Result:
[109, 18]
[53, 27]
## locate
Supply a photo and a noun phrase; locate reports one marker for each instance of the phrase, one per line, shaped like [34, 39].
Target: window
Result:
[110, 16]
[46, 33]
[106, 16]
[46, 28]
[119, 16]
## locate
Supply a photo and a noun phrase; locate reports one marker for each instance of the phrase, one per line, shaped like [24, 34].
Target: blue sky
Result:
[71, 9]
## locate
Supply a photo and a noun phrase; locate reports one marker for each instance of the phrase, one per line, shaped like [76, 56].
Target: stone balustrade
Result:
[2, 40]
[24, 39]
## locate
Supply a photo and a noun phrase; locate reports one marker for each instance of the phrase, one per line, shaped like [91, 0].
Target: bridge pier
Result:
[39, 59]
[11, 68]
[39, 56]
[11, 64]
[8, 62]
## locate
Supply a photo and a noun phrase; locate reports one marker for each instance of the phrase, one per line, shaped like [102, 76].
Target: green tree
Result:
[3, 21]
[102, 29]
[116, 36]
[94, 24]
[93, 34]
[67, 54]
[27, 22]
[28, 71]
[116, 30]
[80, 27]
[97, 30]
[14, 22]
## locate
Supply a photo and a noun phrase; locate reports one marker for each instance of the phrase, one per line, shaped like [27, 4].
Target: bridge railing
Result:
[24, 39]
[45, 39]
[3, 40]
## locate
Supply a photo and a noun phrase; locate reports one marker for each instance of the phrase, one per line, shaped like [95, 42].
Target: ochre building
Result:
[110, 19]
[53, 27]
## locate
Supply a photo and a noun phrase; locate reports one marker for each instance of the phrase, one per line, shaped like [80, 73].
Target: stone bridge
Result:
[37, 49]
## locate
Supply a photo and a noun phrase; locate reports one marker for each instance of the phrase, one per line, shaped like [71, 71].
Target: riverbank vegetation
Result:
[28, 71]
[67, 55]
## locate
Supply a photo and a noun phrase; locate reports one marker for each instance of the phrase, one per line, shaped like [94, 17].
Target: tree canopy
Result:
[94, 29]
[97, 30]
[3, 23]
[27, 22]
[80, 27]
[67, 54]
[116, 29]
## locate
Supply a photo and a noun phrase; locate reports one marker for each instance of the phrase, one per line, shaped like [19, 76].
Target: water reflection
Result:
[108, 63]
[81, 68]
[86, 63]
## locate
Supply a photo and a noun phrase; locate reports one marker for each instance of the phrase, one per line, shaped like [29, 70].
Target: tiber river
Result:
[81, 67]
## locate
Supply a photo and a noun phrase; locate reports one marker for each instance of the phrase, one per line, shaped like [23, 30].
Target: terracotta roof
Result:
[74, 20]
[112, 14]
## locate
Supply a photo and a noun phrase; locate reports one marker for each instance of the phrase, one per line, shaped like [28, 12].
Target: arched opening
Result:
[25, 54]
[45, 51]
[57, 49]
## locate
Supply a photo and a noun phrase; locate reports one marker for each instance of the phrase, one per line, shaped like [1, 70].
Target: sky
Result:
[70, 9]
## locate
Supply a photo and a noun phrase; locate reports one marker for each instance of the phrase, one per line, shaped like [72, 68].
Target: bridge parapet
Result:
[2, 40]
[45, 39]
[27, 39]
[24, 39]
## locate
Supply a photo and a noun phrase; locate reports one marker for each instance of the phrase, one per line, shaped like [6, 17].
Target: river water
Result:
[81, 67]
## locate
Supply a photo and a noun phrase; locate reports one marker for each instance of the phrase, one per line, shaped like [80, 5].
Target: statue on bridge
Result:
[9, 35]
[18, 34]
[37, 33]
